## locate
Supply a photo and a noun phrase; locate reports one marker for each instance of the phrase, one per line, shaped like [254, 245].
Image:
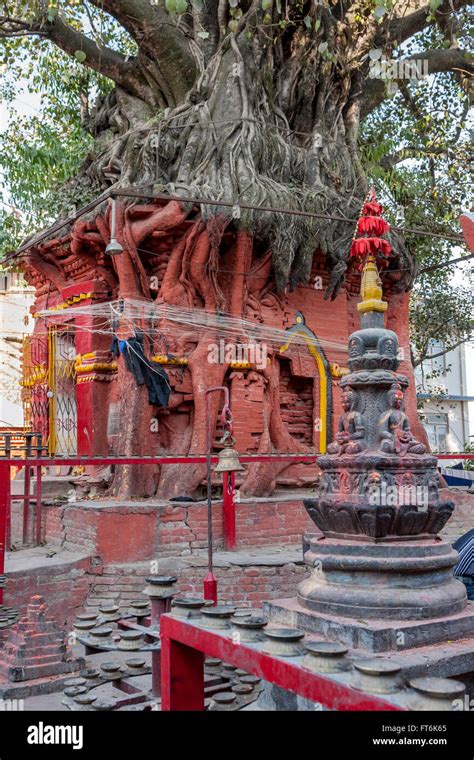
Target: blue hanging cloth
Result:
[145, 373]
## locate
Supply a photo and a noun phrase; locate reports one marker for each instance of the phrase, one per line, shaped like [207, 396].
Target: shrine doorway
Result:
[62, 390]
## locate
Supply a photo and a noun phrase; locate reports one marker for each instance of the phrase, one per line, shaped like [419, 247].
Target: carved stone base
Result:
[392, 581]
[421, 643]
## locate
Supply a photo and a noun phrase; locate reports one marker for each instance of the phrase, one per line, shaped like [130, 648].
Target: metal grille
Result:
[35, 385]
[49, 389]
[62, 384]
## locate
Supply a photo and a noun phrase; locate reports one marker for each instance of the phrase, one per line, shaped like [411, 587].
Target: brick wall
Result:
[249, 586]
[246, 586]
[65, 587]
[134, 532]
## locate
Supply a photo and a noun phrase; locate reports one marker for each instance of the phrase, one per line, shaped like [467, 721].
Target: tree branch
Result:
[404, 26]
[424, 358]
[441, 60]
[159, 38]
[106, 61]
[103, 59]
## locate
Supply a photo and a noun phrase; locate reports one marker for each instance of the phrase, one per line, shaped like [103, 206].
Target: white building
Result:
[15, 322]
[443, 390]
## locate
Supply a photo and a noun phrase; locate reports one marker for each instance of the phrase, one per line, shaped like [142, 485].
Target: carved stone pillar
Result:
[378, 505]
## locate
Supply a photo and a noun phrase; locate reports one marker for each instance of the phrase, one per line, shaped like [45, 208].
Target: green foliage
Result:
[42, 150]
[469, 449]
[417, 148]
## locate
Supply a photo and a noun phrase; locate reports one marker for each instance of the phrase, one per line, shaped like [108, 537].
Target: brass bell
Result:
[228, 461]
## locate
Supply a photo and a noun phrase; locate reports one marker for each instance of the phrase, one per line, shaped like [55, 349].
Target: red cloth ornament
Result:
[372, 207]
[371, 226]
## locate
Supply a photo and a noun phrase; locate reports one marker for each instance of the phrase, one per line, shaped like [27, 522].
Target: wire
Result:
[133, 193]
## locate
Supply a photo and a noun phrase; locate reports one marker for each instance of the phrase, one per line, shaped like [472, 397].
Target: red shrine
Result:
[84, 400]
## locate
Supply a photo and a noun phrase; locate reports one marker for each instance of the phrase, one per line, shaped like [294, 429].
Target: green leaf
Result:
[434, 4]
[198, 4]
[307, 22]
[170, 6]
[181, 6]
[380, 11]
[323, 47]
[80, 56]
[203, 35]
[266, 4]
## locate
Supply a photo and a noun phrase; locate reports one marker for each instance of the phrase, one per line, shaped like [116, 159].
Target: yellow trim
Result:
[337, 371]
[70, 302]
[179, 361]
[240, 365]
[96, 367]
[37, 376]
[372, 305]
[323, 384]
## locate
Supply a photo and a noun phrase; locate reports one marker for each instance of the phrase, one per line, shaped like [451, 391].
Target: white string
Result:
[163, 319]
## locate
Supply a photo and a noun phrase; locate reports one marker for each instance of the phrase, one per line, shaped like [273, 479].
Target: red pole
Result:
[26, 503]
[4, 506]
[26, 500]
[210, 587]
[210, 581]
[160, 591]
[38, 494]
[228, 510]
[8, 513]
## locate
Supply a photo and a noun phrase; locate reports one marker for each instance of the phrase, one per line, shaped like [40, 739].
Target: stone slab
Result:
[38, 686]
[372, 635]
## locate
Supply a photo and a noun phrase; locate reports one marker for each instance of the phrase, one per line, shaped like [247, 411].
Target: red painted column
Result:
[182, 676]
[4, 509]
[228, 510]
[92, 387]
[84, 390]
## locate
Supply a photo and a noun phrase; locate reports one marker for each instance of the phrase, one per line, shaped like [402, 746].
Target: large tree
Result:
[257, 103]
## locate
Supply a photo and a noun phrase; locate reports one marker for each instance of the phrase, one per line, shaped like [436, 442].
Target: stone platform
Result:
[373, 635]
[399, 580]
[443, 647]
[101, 550]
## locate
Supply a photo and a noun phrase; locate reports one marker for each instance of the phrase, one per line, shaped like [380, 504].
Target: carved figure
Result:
[395, 434]
[350, 437]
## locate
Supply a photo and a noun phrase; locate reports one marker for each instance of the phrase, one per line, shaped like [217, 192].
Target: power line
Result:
[445, 264]
[135, 193]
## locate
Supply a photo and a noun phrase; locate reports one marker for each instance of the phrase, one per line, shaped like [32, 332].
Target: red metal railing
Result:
[184, 645]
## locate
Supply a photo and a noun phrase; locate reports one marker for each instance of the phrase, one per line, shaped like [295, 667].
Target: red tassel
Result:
[372, 225]
[372, 207]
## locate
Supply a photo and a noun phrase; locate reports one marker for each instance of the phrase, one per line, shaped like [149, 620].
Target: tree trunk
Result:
[268, 118]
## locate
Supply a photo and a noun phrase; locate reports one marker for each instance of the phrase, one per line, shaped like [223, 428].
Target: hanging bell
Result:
[228, 461]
